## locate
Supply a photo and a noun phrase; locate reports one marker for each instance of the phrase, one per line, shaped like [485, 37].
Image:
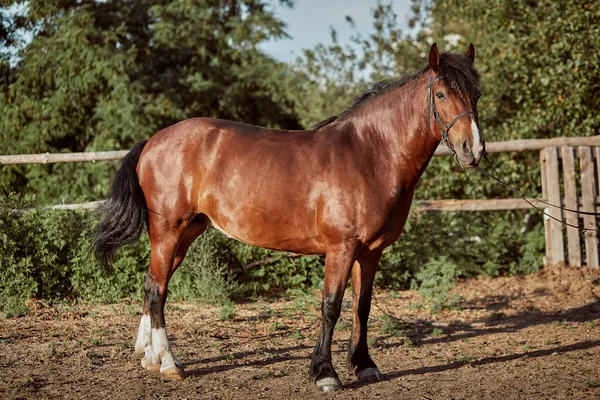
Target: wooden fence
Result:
[573, 191]
[556, 154]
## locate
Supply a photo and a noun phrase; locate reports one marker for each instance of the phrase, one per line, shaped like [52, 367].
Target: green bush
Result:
[44, 253]
[207, 273]
[488, 243]
[436, 278]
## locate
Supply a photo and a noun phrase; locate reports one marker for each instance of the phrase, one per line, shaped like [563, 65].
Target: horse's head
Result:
[453, 92]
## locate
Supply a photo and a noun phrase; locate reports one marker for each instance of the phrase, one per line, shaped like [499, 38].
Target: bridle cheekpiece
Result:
[431, 109]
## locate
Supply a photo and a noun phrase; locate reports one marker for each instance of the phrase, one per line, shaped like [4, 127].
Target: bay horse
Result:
[342, 189]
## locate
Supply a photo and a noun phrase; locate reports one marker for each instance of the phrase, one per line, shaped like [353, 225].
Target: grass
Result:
[390, 326]
[277, 326]
[590, 383]
[343, 326]
[496, 316]
[227, 312]
[464, 358]
[132, 310]
[296, 335]
[102, 331]
[437, 332]
[51, 351]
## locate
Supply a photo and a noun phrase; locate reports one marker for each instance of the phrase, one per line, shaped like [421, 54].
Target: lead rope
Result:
[526, 198]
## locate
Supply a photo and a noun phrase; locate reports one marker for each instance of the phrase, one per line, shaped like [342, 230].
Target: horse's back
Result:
[256, 184]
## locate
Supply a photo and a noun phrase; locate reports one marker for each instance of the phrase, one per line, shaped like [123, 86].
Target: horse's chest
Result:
[385, 228]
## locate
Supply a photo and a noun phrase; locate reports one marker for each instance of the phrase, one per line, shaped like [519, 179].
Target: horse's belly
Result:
[271, 233]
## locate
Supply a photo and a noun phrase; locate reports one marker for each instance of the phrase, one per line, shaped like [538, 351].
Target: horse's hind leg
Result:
[359, 360]
[169, 245]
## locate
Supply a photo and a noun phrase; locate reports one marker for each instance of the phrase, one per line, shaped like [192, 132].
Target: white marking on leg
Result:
[162, 349]
[144, 337]
[150, 361]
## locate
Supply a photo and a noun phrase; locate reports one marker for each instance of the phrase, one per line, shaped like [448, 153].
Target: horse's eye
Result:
[440, 95]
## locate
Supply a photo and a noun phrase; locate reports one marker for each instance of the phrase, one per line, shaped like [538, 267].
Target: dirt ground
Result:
[534, 337]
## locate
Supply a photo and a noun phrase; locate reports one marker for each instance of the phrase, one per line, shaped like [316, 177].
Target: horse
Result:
[342, 189]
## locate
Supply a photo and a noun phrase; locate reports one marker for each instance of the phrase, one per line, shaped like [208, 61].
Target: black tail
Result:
[125, 214]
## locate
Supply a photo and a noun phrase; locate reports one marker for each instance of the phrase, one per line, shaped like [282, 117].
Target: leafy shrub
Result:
[44, 254]
[488, 243]
[207, 273]
[436, 278]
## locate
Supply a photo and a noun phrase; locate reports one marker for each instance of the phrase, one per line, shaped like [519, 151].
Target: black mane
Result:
[456, 70]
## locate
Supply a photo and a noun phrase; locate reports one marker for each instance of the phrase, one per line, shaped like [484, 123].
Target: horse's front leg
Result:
[359, 360]
[339, 260]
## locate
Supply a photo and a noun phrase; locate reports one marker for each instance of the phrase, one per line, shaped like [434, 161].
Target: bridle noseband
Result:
[444, 129]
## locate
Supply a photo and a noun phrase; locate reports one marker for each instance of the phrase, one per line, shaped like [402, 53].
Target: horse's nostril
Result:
[465, 147]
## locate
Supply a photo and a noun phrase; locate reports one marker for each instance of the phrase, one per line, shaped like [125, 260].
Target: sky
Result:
[309, 22]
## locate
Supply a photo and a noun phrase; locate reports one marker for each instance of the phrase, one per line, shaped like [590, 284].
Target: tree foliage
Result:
[101, 75]
[538, 64]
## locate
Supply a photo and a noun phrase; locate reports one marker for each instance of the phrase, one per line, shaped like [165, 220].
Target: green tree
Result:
[101, 75]
[538, 65]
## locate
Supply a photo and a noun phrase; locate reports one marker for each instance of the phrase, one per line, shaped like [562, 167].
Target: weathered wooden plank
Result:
[570, 194]
[50, 158]
[557, 250]
[588, 191]
[491, 147]
[475, 205]
[597, 156]
[92, 205]
[547, 241]
[531, 144]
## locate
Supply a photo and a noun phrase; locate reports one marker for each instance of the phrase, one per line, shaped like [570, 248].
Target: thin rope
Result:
[526, 198]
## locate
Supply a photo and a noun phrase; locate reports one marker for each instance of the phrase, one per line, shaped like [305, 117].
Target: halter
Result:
[444, 129]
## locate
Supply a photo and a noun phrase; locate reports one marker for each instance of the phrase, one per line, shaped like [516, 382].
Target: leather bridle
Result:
[444, 128]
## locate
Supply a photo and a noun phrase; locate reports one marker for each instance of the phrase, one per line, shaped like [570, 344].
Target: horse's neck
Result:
[399, 119]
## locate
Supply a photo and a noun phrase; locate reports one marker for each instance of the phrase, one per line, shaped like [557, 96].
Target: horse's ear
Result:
[471, 53]
[434, 58]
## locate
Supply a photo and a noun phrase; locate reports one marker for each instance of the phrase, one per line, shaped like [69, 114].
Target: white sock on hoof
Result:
[328, 384]
[144, 338]
[150, 360]
[162, 348]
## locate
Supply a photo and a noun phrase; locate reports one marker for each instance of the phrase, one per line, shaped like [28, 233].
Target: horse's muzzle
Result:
[468, 153]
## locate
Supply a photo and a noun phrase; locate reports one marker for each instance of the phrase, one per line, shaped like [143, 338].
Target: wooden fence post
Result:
[588, 191]
[555, 251]
[571, 218]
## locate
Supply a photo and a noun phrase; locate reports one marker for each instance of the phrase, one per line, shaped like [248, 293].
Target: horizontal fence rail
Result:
[577, 157]
[491, 147]
[422, 205]
[51, 158]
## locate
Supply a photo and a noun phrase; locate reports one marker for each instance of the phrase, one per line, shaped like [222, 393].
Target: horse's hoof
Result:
[149, 365]
[369, 375]
[328, 384]
[174, 373]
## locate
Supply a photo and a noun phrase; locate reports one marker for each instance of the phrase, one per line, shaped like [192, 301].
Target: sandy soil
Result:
[534, 337]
